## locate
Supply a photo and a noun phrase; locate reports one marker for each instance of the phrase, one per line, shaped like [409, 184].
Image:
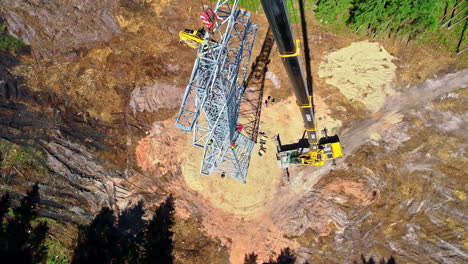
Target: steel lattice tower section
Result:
[211, 102]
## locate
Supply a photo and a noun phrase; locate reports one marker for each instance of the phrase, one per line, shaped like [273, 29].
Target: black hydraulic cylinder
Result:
[278, 18]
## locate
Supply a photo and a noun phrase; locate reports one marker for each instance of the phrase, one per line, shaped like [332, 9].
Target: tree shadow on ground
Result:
[158, 237]
[131, 227]
[250, 258]
[285, 257]
[128, 238]
[21, 235]
[371, 260]
[97, 242]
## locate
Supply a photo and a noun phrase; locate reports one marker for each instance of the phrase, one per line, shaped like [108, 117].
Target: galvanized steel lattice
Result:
[211, 102]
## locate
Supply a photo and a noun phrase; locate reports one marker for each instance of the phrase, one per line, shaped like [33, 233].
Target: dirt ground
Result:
[253, 217]
[264, 215]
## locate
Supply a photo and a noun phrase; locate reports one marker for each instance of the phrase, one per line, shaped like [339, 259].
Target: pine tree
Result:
[5, 204]
[405, 18]
[98, 242]
[131, 227]
[22, 240]
[285, 257]
[328, 11]
[371, 260]
[130, 239]
[158, 237]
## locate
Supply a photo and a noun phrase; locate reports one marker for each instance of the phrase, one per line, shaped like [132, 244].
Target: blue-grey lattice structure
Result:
[211, 102]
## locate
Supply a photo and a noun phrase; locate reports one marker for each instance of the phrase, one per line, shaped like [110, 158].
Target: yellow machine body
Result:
[336, 150]
[325, 152]
[192, 38]
[315, 155]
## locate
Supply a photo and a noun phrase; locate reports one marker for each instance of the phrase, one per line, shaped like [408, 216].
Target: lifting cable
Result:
[202, 5]
[188, 18]
[306, 50]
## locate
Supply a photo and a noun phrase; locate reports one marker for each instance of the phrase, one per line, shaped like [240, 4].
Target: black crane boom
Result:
[278, 18]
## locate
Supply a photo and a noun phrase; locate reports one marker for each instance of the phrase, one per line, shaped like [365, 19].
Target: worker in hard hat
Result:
[261, 151]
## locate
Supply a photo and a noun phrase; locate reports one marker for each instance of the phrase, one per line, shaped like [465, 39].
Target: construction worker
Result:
[261, 151]
[263, 140]
[233, 146]
[204, 49]
[239, 127]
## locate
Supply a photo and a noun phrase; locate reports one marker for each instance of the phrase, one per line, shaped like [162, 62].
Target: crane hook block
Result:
[294, 54]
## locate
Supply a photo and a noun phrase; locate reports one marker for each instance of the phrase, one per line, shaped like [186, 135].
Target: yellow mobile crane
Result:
[311, 150]
[195, 38]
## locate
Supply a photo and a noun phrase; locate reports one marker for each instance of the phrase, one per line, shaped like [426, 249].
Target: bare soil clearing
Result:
[258, 215]
[266, 215]
[268, 209]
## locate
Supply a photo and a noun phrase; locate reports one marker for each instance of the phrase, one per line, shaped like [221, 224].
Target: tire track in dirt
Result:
[300, 195]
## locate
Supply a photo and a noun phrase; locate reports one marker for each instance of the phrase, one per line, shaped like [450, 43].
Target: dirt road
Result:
[303, 205]
[398, 105]
[392, 112]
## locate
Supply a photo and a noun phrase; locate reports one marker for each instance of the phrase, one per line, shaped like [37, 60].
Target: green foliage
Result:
[285, 257]
[13, 156]
[4, 209]
[389, 18]
[97, 241]
[253, 5]
[56, 252]
[128, 238]
[11, 212]
[58, 259]
[249, 4]
[332, 11]
[401, 17]
[21, 240]
[9, 43]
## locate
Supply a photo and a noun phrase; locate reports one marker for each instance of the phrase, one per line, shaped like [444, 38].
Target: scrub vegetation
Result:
[9, 43]
[421, 20]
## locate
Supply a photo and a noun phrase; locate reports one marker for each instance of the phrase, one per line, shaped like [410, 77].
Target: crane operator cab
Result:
[197, 38]
[192, 38]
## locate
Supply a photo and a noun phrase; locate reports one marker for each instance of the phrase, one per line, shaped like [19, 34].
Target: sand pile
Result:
[363, 72]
